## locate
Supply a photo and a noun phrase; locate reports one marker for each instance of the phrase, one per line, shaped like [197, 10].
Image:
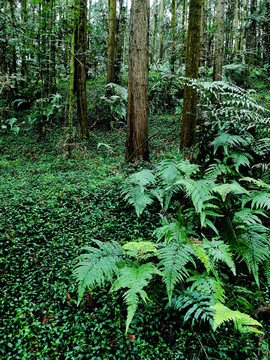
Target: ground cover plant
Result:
[52, 207]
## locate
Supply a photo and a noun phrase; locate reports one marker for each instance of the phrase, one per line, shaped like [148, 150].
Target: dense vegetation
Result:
[104, 255]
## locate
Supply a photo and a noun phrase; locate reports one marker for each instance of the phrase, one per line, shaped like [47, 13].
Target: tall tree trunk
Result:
[13, 65]
[242, 30]
[173, 55]
[183, 33]
[52, 50]
[192, 65]
[154, 27]
[23, 45]
[81, 70]
[235, 30]
[111, 41]
[71, 79]
[160, 45]
[137, 109]
[219, 38]
[251, 34]
[203, 50]
[120, 33]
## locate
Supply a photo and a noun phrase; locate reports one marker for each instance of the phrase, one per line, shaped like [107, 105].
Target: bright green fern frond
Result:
[141, 249]
[198, 305]
[135, 279]
[167, 171]
[215, 170]
[142, 178]
[173, 261]
[243, 321]
[97, 265]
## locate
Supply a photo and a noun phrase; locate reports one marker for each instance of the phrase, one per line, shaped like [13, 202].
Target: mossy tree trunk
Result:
[192, 65]
[81, 70]
[219, 38]
[242, 30]
[111, 41]
[154, 29]
[235, 30]
[137, 108]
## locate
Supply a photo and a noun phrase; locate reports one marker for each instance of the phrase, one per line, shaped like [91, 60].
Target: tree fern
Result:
[97, 265]
[135, 279]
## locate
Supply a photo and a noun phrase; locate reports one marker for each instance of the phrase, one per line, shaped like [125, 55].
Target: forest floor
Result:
[52, 206]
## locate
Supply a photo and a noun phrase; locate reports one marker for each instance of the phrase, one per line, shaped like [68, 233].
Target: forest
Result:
[135, 179]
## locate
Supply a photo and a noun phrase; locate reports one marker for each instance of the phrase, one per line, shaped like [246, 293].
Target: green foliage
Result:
[242, 321]
[198, 306]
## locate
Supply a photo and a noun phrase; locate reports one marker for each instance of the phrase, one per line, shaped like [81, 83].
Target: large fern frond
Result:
[217, 251]
[135, 279]
[226, 140]
[243, 321]
[198, 305]
[97, 265]
[203, 283]
[134, 190]
[173, 261]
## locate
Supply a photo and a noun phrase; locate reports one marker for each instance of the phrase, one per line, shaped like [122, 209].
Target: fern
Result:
[217, 251]
[227, 140]
[173, 260]
[141, 249]
[199, 306]
[242, 321]
[135, 279]
[240, 159]
[224, 189]
[134, 190]
[203, 283]
[97, 265]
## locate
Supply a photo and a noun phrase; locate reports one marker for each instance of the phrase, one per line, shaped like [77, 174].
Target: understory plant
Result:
[214, 221]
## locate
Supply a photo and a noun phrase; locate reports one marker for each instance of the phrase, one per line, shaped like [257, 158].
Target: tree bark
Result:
[120, 33]
[111, 41]
[219, 38]
[154, 26]
[173, 22]
[192, 65]
[137, 108]
[160, 45]
[81, 71]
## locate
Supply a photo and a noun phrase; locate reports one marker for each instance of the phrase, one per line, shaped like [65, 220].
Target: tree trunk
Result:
[71, 79]
[183, 33]
[154, 27]
[120, 31]
[219, 38]
[111, 41]
[137, 108]
[203, 50]
[192, 65]
[241, 42]
[173, 57]
[251, 34]
[160, 45]
[235, 30]
[81, 71]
